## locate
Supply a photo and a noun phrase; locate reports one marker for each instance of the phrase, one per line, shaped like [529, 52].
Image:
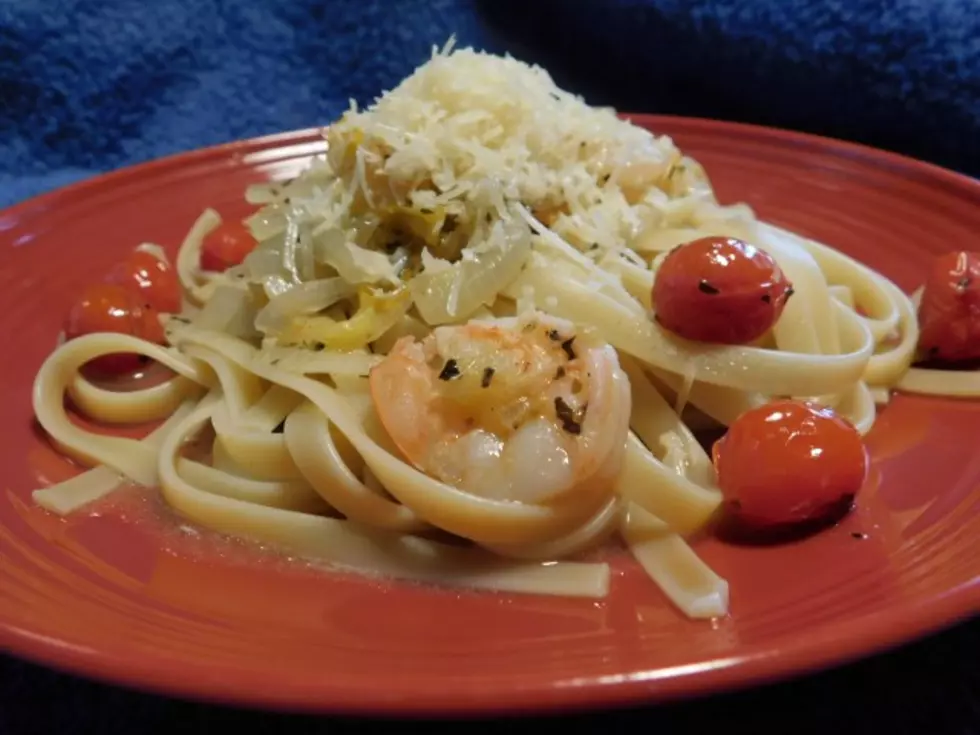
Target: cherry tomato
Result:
[788, 462]
[225, 246]
[719, 289]
[151, 279]
[949, 313]
[109, 307]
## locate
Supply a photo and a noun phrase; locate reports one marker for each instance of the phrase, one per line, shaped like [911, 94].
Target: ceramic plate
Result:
[128, 595]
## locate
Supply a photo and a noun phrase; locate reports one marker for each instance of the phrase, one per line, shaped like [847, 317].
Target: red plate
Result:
[127, 597]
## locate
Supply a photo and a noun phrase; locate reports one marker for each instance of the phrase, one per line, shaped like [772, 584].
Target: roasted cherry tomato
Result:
[949, 313]
[109, 307]
[225, 246]
[151, 278]
[719, 289]
[788, 462]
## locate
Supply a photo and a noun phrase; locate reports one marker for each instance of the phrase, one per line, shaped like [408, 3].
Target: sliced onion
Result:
[354, 264]
[289, 246]
[264, 266]
[231, 309]
[276, 192]
[307, 298]
[305, 262]
[268, 222]
[454, 293]
[264, 193]
[264, 261]
[276, 286]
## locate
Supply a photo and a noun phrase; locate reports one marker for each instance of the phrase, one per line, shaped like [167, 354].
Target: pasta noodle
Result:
[470, 216]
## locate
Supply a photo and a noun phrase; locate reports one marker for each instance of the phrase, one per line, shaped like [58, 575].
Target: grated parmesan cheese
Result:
[470, 132]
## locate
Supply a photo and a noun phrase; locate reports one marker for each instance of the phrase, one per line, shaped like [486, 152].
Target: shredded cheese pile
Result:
[469, 131]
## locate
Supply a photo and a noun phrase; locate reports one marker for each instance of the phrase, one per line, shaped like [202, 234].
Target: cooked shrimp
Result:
[517, 409]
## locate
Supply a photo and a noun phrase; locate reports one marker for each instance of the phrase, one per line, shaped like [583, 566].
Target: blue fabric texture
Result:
[91, 85]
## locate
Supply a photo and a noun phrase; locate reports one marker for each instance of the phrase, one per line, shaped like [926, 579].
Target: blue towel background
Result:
[87, 86]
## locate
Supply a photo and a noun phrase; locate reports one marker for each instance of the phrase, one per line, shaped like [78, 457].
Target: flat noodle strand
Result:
[327, 539]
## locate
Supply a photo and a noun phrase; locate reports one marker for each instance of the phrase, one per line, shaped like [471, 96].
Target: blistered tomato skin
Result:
[788, 462]
[226, 246]
[109, 307]
[153, 281]
[719, 290]
[949, 312]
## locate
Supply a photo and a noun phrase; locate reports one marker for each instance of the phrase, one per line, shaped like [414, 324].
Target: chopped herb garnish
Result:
[487, 377]
[449, 371]
[450, 224]
[567, 347]
[766, 298]
[594, 246]
[554, 335]
[705, 287]
[566, 415]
